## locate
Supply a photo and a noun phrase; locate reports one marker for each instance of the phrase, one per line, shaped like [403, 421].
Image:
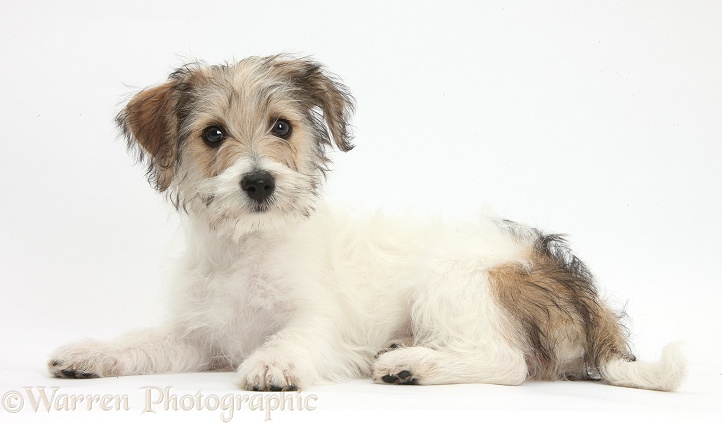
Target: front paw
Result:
[90, 359]
[264, 372]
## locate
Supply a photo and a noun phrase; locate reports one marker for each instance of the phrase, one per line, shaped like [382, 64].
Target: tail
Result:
[664, 375]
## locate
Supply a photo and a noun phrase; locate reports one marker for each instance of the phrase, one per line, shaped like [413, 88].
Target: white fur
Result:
[323, 296]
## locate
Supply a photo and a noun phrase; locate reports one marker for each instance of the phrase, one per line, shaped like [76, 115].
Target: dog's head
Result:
[240, 145]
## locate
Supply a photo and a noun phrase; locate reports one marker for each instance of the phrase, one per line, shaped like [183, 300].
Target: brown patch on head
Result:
[246, 117]
[247, 98]
[567, 330]
[149, 121]
[322, 90]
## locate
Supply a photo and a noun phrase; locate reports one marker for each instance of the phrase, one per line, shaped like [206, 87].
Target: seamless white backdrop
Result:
[601, 120]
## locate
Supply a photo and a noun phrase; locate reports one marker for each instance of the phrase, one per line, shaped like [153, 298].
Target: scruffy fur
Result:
[290, 292]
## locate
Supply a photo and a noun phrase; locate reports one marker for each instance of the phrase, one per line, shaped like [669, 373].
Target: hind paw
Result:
[404, 377]
[402, 366]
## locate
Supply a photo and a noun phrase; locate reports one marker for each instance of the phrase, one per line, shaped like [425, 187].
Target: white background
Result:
[601, 120]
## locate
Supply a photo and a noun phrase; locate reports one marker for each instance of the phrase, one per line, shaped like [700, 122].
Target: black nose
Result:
[259, 185]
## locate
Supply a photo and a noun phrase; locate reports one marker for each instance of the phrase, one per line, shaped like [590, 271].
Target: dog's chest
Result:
[237, 301]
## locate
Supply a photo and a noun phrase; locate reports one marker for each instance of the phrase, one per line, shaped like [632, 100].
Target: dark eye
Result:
[281, 128]
[214, 136]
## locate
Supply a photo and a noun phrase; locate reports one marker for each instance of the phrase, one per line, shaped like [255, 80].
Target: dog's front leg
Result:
[163, 350]
[298, 355]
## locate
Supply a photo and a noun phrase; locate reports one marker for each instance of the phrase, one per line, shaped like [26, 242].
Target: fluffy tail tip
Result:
[666, 374]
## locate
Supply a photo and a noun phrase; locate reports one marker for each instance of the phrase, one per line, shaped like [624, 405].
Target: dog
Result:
[290, 292]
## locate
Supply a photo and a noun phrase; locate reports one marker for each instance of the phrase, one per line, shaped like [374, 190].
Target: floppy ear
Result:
[326, 92]
[150, 124]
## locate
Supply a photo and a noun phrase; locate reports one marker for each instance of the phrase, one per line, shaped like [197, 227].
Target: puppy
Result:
[289, 292]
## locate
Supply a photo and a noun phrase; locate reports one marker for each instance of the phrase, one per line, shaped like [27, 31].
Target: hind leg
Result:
[428, 366]
[460, 335]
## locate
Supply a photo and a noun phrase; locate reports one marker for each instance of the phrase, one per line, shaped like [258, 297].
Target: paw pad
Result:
[76, 374]
[61, 369]
[277, 388]
[401, 378]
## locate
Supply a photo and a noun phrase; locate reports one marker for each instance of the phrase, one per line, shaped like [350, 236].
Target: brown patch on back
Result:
[567, 331]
